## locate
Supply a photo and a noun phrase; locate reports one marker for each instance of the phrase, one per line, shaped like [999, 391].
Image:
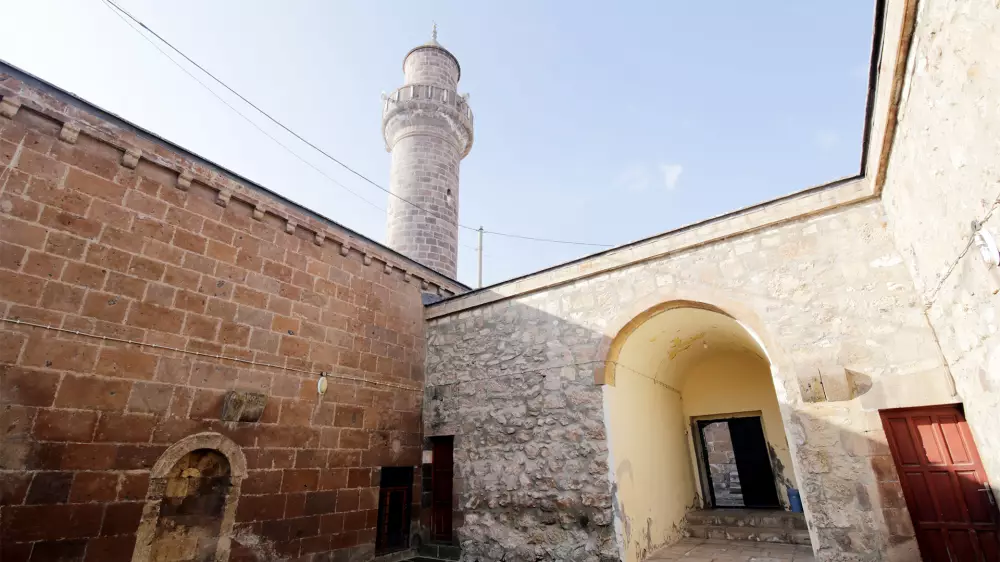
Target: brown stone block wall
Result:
[135, 294]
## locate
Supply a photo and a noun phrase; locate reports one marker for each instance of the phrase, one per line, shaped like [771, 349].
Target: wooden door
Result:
[950, 502]
[753, 463]
[441, 487]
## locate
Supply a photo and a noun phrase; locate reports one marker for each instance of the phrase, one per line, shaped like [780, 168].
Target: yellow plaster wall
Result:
[737, 382]
[650, 463]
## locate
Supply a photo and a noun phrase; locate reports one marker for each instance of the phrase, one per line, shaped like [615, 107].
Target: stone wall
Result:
[431, 64]
[428, 129]
[138, 286]
[424, 172]
[943, 183]
[834, 306]
[530, 447]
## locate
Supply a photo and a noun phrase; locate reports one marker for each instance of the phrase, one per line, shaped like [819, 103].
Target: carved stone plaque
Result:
[243, 406]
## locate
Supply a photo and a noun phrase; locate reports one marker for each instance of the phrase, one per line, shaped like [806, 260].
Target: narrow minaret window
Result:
[428, 138]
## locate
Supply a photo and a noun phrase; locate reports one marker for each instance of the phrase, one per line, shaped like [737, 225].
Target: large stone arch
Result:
[237, 467]
[626, 470]
[633, 313]
[204, 440]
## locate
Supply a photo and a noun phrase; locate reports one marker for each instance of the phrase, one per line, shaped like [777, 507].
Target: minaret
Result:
[428, 129]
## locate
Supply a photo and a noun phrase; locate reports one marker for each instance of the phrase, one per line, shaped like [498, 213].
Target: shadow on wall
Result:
[551, 466]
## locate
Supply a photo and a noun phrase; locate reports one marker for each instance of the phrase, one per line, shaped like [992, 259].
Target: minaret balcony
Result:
[415, 106]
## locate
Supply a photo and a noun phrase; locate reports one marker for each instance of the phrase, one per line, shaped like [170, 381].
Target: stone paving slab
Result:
[716, 550]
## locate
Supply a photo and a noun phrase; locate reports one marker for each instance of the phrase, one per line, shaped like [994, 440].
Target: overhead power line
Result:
[532, 238]
[122, 13]
[118, 11]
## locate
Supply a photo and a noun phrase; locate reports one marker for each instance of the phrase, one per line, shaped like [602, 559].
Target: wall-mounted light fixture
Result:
[321, 384]
[988, 248]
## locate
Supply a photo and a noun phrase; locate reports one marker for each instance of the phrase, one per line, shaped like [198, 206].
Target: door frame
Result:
[700, 456]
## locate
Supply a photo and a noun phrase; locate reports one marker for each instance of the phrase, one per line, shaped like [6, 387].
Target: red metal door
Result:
[950, 502]
[441, 487]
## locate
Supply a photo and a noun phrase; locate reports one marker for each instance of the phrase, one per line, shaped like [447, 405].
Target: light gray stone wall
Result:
[516, 388]
[835, 307]
[425, 172]
[431, 65]
[428, 128]
[943, 176]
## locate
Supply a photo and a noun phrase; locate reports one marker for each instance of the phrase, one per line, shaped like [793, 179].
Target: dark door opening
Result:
[944, 484]
[737, 463]
[394, 499]
[441, 487]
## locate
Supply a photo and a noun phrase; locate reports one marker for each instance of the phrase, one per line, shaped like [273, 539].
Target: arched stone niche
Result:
[191, 502]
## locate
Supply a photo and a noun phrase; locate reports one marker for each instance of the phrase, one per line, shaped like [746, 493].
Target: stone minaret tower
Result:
[428, 129]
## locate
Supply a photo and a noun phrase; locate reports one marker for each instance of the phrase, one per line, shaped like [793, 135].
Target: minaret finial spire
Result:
[434, 32]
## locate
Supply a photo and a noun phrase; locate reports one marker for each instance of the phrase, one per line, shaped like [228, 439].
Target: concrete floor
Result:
[718, 550]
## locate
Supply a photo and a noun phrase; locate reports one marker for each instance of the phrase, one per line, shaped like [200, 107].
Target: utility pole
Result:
[480, 257]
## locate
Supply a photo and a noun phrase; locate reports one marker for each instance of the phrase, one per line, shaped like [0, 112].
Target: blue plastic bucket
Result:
[794, 500]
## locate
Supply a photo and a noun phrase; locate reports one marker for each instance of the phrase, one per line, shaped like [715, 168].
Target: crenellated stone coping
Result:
[136, 147]
[715, 230]
[427, 92]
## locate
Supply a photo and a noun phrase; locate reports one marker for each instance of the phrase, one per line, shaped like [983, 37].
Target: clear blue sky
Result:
[595, 121]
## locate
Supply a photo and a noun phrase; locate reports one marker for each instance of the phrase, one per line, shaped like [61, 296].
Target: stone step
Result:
[746, 533]
[762, 525]
[439, 551]
[748, 518]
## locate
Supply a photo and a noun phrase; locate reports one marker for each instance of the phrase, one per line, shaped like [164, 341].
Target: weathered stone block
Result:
[243, 406]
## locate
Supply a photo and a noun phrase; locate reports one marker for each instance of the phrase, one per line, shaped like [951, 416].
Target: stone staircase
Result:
[762, 525]
[436, 552]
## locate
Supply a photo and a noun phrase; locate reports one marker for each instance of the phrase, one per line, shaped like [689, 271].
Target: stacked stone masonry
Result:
[432, 64]
[943, 185]
[829, 295]
[428, 129]
[139, 285]
[128, 269]
[867, 294]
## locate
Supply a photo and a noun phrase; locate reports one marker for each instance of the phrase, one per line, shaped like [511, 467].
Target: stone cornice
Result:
[798, 206]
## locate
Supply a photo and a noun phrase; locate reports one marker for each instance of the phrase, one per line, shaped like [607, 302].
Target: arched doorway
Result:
[191, 503]
[190, 518]
[693, 423]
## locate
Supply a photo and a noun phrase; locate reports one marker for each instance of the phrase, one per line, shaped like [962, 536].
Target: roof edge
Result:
[72, 100]
[799, 205]
[884, 81]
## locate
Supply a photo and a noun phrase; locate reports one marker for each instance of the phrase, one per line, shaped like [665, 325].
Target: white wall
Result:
[650, 464]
